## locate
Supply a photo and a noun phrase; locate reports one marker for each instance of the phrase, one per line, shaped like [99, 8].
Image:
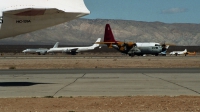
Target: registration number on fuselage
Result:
[23, 21]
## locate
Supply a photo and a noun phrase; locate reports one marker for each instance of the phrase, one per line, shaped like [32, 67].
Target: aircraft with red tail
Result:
[132, 48]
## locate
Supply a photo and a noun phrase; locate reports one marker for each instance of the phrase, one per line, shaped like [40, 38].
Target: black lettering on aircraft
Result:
[23, 21]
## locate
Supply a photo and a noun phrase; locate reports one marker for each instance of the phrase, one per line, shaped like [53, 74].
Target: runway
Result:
[100, 82]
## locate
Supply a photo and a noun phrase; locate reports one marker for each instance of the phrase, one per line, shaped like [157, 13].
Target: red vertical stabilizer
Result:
[108, 36]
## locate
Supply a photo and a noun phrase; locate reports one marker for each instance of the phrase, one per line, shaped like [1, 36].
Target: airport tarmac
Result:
[100, 82]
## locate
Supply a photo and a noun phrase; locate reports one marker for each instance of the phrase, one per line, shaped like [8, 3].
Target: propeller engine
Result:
[165, 46]
[126, 46]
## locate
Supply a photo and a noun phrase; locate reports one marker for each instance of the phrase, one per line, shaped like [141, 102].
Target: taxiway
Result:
[100, 82]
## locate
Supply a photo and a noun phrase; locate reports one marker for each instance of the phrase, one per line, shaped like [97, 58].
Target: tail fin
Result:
[167, 46]
[108, 36]
[96, 44]
[56, 45]
[185, 50]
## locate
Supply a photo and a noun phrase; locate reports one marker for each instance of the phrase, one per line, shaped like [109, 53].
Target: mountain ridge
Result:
[86, 31]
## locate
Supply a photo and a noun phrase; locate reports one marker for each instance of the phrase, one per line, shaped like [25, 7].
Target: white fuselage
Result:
[38, 51]
[22, 16]
[145, 44]
[178, 52]
[69, 49]
[149, 48]
[74, 50]
[30, 51]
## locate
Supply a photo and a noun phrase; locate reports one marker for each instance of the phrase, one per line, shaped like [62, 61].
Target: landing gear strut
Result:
[132, 54]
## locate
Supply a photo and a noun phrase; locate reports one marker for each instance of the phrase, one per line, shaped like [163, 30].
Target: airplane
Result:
[23, 16]
[39, 51]
[179, 52]
[74, 50]
[132, 48]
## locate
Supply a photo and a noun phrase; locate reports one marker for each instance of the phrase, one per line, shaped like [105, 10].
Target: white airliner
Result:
[178, 52]
[74, 50]
[23, 16]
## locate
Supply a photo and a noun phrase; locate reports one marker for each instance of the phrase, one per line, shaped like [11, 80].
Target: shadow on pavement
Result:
[15, 84]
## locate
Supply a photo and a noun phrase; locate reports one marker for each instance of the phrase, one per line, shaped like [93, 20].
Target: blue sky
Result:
[167, 11]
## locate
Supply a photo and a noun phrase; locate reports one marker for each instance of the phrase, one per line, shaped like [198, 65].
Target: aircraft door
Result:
[1, 21]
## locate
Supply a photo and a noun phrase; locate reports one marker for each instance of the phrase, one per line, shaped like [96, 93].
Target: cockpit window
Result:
[154, 47]
[157, 45]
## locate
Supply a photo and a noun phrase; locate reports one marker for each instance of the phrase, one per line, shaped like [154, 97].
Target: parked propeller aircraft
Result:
[179, 52]
[39, 51]
[19, 17]
[132, 48]
[74, 50]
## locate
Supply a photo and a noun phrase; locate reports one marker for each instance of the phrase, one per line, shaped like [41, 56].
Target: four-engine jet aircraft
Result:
[74, 50]
[23, 16]
[179, 52]
[132, 48]
[39, 51]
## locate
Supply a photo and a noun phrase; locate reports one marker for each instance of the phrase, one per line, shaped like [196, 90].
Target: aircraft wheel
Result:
[132, 54]
[45, 53]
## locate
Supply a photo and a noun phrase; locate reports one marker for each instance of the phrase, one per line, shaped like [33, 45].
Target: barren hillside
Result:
[86, 31]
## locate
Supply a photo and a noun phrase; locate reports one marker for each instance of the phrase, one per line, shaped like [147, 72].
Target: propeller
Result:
[128, 45]
[165, 46]
[125, 45]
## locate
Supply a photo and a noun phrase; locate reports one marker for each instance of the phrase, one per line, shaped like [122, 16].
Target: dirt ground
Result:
[100, 104]
[98, 62]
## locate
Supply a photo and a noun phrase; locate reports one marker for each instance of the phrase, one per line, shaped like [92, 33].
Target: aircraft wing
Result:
[74, 50]
[22, 17]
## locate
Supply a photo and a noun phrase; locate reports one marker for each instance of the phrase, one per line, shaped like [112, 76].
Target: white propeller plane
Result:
[74, 50]
[23, 16]
[178, 52]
